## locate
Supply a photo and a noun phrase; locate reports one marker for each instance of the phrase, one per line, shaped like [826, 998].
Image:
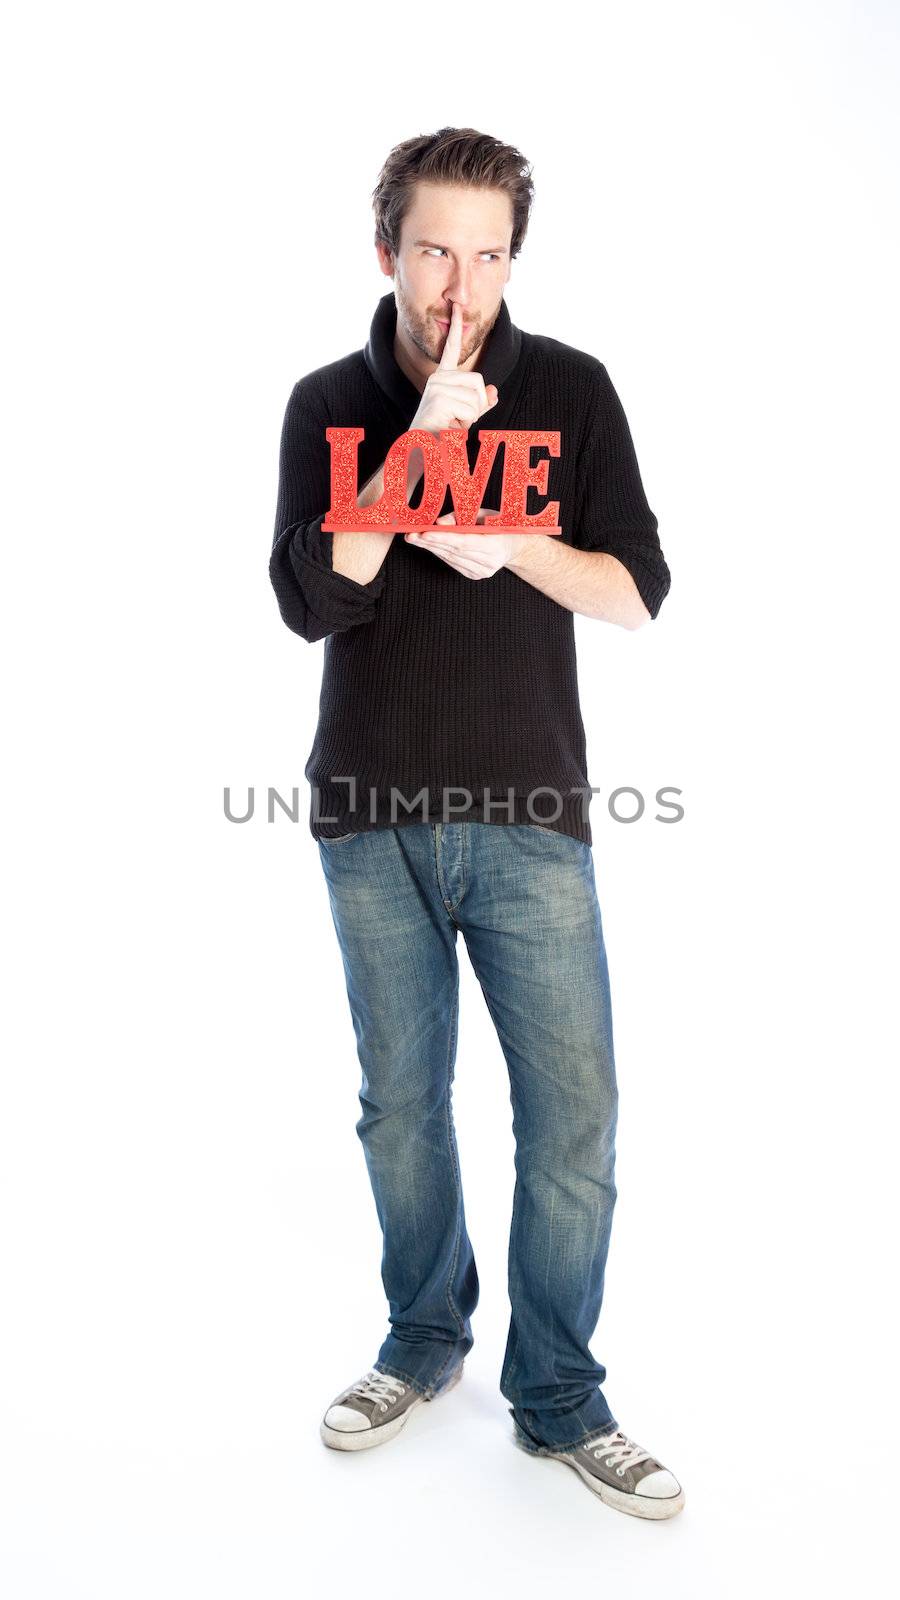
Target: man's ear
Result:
[385, 258]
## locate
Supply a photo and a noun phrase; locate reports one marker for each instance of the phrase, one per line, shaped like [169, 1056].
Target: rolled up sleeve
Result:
[313, 599]
[613, 513]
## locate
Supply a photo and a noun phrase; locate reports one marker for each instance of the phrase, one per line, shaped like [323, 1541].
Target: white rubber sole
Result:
[367, 1438]
[635, 1505]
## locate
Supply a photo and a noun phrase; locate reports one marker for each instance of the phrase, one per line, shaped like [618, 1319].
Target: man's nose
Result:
[460, 288]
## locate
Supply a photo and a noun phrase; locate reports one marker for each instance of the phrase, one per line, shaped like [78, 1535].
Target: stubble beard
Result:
[425, 334]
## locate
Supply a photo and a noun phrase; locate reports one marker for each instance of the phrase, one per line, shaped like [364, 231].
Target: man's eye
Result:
[492, 254]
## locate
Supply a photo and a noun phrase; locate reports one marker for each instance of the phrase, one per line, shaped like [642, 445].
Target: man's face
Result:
[454, 245]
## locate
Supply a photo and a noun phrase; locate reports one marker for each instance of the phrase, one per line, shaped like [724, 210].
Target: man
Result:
[450, 792]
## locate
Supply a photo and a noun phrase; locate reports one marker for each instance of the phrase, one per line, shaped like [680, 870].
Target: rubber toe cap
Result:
[660, 1485]
[345, 1420]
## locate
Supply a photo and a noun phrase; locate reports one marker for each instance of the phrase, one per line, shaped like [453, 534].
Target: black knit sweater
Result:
[433, 681]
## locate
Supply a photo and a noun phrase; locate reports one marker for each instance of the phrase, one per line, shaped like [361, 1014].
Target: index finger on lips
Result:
[453, 341]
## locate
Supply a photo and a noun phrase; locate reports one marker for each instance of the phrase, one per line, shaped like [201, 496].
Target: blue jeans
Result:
[526, 901]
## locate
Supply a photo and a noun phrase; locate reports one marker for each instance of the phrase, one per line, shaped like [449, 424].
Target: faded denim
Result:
[525, 899]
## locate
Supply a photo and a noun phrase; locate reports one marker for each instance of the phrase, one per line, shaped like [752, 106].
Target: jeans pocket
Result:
[558, 833]
[342, 838]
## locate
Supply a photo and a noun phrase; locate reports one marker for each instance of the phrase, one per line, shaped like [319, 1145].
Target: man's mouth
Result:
[442, 324]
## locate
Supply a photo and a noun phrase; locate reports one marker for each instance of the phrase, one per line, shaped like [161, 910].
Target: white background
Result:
[190, 1252]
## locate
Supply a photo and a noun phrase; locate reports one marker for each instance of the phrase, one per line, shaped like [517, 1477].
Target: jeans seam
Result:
[452, 1307]
[516, 1187]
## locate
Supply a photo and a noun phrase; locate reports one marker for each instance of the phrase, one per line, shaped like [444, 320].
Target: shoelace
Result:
[378, 1386]
[617, 1450]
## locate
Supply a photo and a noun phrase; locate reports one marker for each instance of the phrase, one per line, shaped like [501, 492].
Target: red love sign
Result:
[446, 464]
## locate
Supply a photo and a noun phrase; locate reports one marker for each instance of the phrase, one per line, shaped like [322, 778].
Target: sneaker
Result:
[624, 1475]
[373, 1410]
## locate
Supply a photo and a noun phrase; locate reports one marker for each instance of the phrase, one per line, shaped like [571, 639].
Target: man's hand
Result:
[453, 398]
[474, 555]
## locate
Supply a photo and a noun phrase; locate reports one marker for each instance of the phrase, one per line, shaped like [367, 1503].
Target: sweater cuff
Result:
[337, 601]
[651, 575]
[650, 584]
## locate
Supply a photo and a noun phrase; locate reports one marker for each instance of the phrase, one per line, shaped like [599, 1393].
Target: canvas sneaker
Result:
[623, 1475]
[374, 1409]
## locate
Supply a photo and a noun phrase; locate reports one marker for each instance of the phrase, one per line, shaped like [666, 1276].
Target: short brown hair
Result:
[452, 155]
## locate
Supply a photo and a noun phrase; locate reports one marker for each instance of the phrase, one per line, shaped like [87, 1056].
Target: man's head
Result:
[451, 213]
